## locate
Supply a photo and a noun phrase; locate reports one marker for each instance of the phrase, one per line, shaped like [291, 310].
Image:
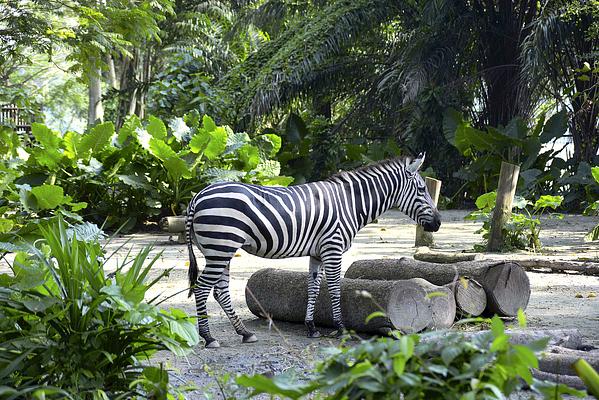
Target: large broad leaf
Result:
[212, 143]
[295, 129]
[48, 196]
[49, 158]
[531, 150]
[96, 139]
[249, 156]
[555, 127]
[49, 139]
[452, 119]
[269, 168]
[135, 181]
[486, 201]
[71, 144]
[595, 173]
[161, 150]
[213, 175]
[177, 168]
[516, 128]
[235, 141]
[156, 128]
[277, 181]
[545, 201]
[269, 144]
[208, 124]
[9, 142]
[131, 124]
[6, 225]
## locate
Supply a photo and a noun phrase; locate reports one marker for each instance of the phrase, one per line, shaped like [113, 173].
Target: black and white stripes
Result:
[317, 219]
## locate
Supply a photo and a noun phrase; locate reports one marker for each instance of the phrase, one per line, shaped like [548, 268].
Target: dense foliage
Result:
[70, 330]
[140, 172]
[437, 365]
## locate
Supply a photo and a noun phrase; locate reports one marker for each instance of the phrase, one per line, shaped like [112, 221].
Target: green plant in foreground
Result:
[524, 226]
[436, 365]
[593, 209]
[64, 323]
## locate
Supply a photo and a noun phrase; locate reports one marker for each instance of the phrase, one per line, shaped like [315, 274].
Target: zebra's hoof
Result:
[314, 334]
[213, 344]
[251, 338]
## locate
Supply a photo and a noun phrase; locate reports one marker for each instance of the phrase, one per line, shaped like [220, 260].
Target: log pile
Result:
[409, 305]
[505, 284]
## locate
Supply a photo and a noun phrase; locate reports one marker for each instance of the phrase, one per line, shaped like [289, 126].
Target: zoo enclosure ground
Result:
[553, 304]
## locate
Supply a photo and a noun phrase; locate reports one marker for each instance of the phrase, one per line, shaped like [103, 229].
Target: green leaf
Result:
[595, 173]
[295, 129]
[156, 128]
[376, 314]
[71, 144]
[96, 139]
[177, 168]
[208, 124]
[545, 201]
[589, 376]
[48, 196]
[161, 150]
[486, 201]
[555, 127]
[269, 144]
[521, 318]
[6, 225]
[277, 181]
[135, 181]
[250, 156]
[45, 136]
[279, 385]
[217, 144]
[497, 326]
[131, 124]
[399, 364]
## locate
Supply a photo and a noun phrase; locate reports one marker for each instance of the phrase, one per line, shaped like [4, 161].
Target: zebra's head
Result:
[415, 200]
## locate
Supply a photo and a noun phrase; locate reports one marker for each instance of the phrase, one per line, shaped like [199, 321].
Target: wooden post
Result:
[508, 178]
[426, 238]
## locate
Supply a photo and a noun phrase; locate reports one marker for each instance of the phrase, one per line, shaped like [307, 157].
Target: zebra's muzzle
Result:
[434, 224]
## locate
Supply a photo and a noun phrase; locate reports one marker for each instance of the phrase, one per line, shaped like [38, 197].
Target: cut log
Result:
[563, 338]
[410, 306]
[561, 364]
[174, 224]
[441, 257]
[470, 296]
[506, 283]
[572, 381]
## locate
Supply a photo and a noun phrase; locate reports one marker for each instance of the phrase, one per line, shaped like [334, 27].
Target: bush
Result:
[64, 323]
[437, 365]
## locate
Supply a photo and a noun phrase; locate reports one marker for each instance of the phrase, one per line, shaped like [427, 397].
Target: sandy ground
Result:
[284, 347]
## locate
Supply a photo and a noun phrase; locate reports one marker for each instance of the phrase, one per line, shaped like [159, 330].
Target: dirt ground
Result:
[555, 300]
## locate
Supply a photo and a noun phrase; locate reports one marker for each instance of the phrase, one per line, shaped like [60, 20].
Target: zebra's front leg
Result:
[314, 278]
[332, 268]
[221, 294]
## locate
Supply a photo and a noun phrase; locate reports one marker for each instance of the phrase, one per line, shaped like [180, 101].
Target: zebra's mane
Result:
[402, 162]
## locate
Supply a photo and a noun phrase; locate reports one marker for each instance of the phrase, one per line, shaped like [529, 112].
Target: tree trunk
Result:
[410, 306]
[508, 179]
[506, 283]
[95, 111]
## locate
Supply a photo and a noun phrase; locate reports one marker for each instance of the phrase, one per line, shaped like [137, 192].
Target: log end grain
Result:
[507, 287]
[470, 297]
[408, 308]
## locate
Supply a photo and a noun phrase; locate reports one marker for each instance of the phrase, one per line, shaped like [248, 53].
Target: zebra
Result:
[318, 219]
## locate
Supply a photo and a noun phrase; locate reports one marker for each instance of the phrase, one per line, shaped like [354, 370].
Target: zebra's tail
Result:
[192, 273]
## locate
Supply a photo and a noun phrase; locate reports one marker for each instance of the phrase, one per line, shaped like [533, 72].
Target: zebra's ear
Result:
[416, 163]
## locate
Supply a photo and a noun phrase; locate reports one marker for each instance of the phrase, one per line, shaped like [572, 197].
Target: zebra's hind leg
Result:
[206, 281]
[332, 267]
[221, 294]
[314, 278]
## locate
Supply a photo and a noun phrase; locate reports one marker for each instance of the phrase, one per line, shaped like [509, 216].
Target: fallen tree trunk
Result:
[572, 381]
[506, 284]
[561, 364]
[570, 339]
[409, 305]
[560, 266]
[441, 257]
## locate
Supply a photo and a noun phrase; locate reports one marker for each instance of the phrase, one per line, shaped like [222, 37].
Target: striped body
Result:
[317, 219]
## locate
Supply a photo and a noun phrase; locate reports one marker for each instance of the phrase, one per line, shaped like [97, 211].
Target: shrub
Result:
[64, 323]
[524, 226]
[437, 365]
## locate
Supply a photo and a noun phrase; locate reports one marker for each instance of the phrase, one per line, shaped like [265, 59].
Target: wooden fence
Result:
[15, 117]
